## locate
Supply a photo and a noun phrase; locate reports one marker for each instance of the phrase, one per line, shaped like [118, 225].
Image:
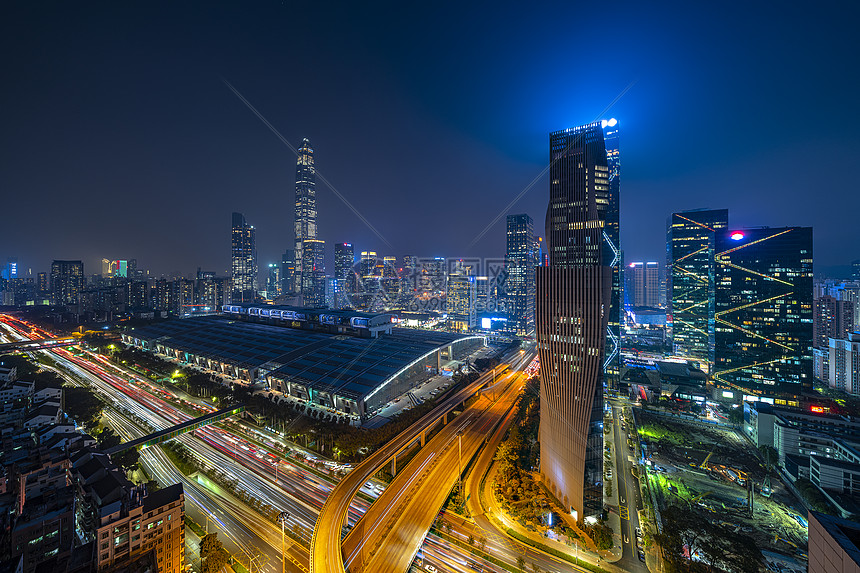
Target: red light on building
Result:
[817, 409]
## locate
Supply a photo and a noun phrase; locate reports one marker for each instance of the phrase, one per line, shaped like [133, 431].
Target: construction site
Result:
[718, 474]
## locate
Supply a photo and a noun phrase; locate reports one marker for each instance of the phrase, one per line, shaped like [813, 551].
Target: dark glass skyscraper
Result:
[574, 301]
[288, 273]
[244, 260]
[763, 316]
[690, 239]
[306, 206]
[520, 266]
[313, 273]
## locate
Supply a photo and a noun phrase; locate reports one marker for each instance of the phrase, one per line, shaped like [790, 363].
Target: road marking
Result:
[625, 513]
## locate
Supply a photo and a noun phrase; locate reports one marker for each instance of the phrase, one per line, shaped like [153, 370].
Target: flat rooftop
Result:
[353, 366]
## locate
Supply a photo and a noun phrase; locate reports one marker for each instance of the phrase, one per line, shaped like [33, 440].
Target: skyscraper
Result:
[520, 261]
[67, 282]
[574, 301]
[690, 240]
[273, 281]
[306, 205]
[313, 273]
[763, 315]
[244, 263]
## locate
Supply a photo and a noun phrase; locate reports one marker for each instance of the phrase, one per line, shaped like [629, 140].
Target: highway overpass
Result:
[326, 551]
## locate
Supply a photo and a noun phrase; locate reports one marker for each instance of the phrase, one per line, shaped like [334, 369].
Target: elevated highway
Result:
[326, 552]
[38, 344]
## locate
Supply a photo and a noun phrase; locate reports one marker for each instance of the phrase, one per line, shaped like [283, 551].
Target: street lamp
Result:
[283, 517]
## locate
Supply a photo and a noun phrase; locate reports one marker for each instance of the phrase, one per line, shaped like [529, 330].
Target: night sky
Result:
[119, 138]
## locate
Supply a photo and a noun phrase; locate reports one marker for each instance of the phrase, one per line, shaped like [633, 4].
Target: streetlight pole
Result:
[283, 517]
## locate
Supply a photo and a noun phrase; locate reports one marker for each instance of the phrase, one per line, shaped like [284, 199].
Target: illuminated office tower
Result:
[690, 273]
[244, 263]
[67, 282]
[313, 273]
[763, 313]
[306, 206]
[390, 280]
[273, 281]
[574, 300]
[520, 262]
[460, 301]
[344, 260]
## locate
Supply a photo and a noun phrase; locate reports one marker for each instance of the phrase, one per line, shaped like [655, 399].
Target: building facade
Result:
[763, 311]
[306, 207]
[313, 273]
[574, 300]
[690, 275]
[67, 282]
[644, 284]
[843, 365]
[520, 262]
[832, 318]
[244, 260]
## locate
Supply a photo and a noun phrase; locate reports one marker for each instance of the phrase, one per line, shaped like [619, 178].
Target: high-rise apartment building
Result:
[844, 363]
[520, 262]
[763, 312]
[831, 318]
[244, 260]
[67, 282]
[690, 275]
[644, 284]
[306, 208]
[313, 273]
[574, 301]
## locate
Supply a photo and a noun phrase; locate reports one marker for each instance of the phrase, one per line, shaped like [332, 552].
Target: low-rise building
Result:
[834, 544]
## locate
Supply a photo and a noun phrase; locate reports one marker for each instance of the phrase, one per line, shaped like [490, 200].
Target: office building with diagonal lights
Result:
[763, 314]
[573, 306]
[690, 243]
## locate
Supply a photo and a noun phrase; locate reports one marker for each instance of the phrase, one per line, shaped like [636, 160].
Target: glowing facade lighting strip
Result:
[739, 247]
[694, 222]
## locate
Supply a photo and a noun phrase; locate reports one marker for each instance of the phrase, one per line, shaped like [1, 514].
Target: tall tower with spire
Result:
[306, 205]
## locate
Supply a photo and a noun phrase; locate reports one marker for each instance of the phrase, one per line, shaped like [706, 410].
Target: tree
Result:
[521, 563]
[82, 405]
[736, 416]
[212, 553]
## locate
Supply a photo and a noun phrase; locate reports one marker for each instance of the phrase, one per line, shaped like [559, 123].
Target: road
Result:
[283, 485]
[326, 552]
[629, 498]
[389, 535]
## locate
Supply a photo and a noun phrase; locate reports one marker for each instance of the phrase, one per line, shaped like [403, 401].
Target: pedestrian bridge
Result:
[179, 429]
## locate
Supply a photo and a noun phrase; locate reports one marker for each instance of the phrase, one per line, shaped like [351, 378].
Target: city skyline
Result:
[227, 161]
